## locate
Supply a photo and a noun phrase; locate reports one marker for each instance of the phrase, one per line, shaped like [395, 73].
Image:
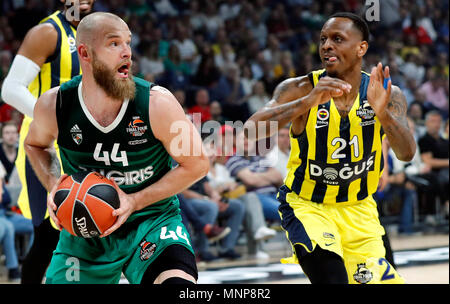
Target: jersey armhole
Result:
[58, 42]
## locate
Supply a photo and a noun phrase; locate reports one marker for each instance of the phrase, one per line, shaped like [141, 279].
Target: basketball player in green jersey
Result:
[339, 117]
[46, 58]
[128, 130]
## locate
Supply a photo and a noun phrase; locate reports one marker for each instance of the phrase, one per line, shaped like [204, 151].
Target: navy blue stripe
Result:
[40, 84]
[299, 174]
[37, 195]
[368, 136]
[320, 189]
[75, 63]
[67, 28]
[290, 223]
[56, 60]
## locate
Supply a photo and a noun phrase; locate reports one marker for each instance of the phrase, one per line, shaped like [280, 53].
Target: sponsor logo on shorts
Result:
[362, 275]
[147, 250]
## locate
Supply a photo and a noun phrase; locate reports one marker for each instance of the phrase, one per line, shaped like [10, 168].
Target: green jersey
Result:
[126, 150]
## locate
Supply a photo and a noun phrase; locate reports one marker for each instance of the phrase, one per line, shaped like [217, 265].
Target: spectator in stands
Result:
[416, 114]
[8, 147]
[230, 93]
[9, 250]
[186, 46]
[216, 112]
[434, 152]
[211, 206]
[151, 65]
[279, 155]
[225, 57]
[285, 69]
[417, 31]
[399, 186]
[434, 90]
[202, 105]
[259, 97]
[7, 234]
[191, 216]
[254, 222]
[253, 172]
[176, 71]
[418, 174]
[208, 74]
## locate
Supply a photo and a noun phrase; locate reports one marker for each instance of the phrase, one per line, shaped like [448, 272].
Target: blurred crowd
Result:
[223, 59]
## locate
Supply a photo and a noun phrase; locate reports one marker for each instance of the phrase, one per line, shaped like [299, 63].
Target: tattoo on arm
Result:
[282, 88]
[397, 106]
[55, 168]
[284, 94]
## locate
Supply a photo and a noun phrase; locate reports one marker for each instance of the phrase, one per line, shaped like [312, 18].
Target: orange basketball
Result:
[85, 202]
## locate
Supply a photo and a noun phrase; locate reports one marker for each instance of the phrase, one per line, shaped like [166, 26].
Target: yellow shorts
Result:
[351, 230]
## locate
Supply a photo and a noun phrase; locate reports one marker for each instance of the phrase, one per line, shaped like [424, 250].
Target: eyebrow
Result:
[113, 35]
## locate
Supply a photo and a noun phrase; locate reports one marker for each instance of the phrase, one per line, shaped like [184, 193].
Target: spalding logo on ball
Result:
[85, 202]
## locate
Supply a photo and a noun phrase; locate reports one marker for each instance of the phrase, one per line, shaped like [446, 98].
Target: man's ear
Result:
[83, 52]
[363, 47]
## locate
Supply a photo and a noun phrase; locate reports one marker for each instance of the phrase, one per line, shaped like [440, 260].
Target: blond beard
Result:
[119, 89]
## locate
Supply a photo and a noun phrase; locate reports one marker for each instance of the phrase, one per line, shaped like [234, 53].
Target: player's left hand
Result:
[127, 207]
[379, 92]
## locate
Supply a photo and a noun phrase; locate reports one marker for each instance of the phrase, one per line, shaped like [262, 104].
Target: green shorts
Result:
[129, 250]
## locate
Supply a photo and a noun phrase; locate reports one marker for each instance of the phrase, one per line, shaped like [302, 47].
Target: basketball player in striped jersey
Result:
[339, 117]
[46, 58]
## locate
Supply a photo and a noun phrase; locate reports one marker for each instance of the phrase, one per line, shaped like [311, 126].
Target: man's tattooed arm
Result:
[395, 125]
[285, 106]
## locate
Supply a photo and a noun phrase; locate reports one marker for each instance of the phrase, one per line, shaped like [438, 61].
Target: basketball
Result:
[85, 202]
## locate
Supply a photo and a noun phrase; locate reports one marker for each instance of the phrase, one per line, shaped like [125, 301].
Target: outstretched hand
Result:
[379, 89]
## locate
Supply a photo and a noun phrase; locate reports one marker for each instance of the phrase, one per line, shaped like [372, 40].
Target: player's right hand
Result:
[327, 88]
[51, 206]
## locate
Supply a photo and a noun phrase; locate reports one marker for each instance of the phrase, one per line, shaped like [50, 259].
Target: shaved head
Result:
[96, 24]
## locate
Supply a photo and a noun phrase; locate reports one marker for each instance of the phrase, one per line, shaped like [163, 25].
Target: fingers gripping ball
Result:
[85, 202]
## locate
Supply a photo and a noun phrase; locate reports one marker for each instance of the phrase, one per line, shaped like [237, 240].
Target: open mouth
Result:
[330, 59]
[123, 70]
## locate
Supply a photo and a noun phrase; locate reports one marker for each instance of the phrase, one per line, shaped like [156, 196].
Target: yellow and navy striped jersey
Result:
[63, 65]
[59, 68]
[336, 159]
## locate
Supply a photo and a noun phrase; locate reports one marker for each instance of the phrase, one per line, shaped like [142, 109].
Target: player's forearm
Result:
[174, 182]
[400, 138]
[45, 164]
[259, 124]
[289, 101]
